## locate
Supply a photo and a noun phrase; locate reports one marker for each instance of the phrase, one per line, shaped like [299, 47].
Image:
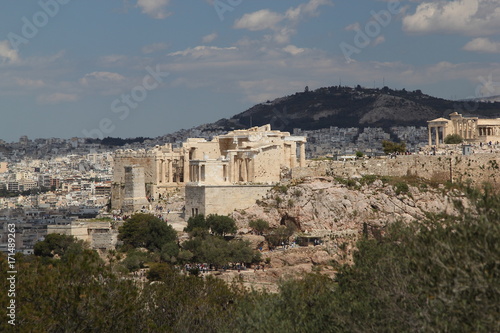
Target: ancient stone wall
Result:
[104, 239]
[98, 234]
[476, 169]
[267, 165]
[222, 200]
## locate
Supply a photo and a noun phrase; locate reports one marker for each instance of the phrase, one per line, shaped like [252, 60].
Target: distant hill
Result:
[352, 107]
[488, 99]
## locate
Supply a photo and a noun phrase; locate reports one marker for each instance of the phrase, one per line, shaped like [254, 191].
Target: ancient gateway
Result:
[471, 129]
[229, 172]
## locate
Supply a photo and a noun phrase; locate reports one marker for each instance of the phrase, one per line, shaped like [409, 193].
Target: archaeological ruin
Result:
[229, 172]
[471, 129]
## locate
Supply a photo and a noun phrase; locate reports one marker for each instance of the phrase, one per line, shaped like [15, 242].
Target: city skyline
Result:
[128, 68]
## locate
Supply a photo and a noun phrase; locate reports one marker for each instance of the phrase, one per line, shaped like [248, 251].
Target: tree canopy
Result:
[393, 147]
[259, 225]
[147, 231]
[56, 244]
[221, 225]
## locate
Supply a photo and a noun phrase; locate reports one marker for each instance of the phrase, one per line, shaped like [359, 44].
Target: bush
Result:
[260, 226]
[147, 231]
[401, 188]
[281, 188]
[393, 147]
[453, 139]
[56, 244]
[221, 225]
[196, 222]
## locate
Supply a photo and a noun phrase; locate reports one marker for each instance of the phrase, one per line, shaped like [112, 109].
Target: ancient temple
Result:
[471, 129]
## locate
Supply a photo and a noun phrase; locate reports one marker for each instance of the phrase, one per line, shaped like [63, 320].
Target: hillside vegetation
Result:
[438, 274]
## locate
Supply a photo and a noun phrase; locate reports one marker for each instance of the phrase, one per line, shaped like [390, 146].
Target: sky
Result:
[129, 68]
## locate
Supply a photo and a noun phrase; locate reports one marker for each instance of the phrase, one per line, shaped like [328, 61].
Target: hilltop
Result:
[351, 107]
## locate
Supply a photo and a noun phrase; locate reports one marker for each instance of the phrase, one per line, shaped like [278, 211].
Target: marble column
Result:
[170, 172]
[185, 170]
[251, 170]
[302, 162]
[292, 158]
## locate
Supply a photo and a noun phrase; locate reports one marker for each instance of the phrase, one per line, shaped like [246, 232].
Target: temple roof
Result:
[439, 120]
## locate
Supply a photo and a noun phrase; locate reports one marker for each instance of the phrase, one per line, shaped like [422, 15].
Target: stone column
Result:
[186, 167]
[429, 135]
[293, 155]
[243, 170]
[170, 172]
[162, 171]
[251, 170]
[437, 135]
[302, 162]
[157, 171]
[230, 168]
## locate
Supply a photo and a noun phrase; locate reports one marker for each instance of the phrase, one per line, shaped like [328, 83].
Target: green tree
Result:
[440, 274]
[197, 222]
[214, 250]
[393, 147]
[56, 244]
[279, 235]
[146, 230]
[453, 139]
[241, 251]
[221, 225]
[259, 225]
[76, 295]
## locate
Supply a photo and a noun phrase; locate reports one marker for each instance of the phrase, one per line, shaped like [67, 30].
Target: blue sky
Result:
[128, 68]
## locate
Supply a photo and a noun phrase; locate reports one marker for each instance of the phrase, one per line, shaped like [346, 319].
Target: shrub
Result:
[453, 139]
[401, 188]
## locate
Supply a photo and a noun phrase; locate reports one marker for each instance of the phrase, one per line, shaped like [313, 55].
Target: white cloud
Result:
[148, 49]
[483, 45]
[283, 26]
[259, 20]
[306, 9]
[468, 17]
[209, 38]
[259, 70]
[154, 8]
[57, 98]
[293, 50]
[101, 76]
[200, 51]
[7, 54]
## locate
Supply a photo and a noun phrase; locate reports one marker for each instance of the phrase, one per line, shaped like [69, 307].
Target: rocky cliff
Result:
[322, 205]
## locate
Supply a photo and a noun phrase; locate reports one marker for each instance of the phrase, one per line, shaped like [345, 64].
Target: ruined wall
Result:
[268, 165]
[222, 200]
[104, 239]
[476, 169]
[100, 235]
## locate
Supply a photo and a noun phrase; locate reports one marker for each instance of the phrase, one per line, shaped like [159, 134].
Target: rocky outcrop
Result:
[322, 206]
